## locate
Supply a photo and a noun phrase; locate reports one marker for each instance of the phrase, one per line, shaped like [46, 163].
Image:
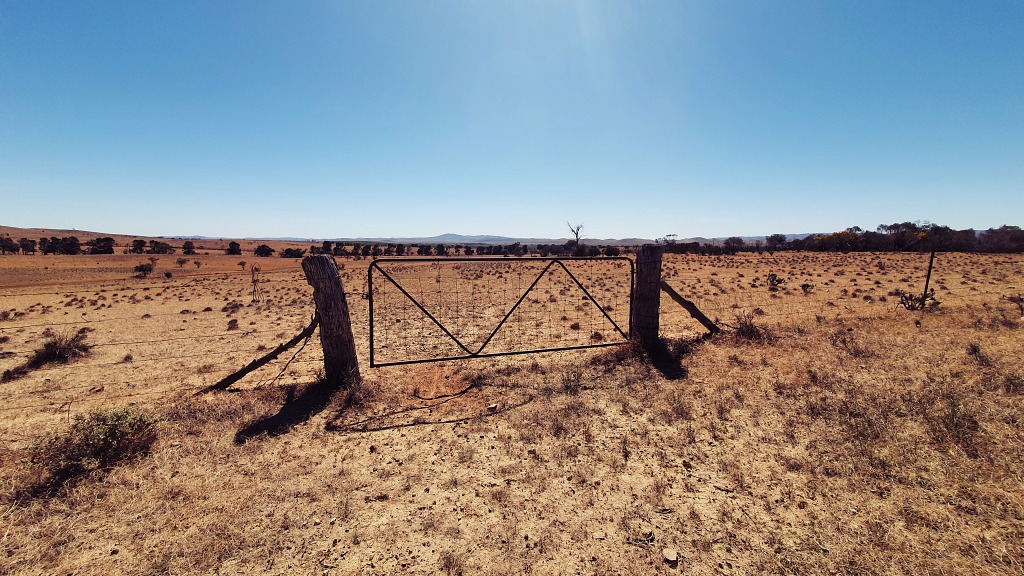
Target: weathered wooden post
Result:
[644, 321]
[341, 367]
[690, 307]
[927, 280]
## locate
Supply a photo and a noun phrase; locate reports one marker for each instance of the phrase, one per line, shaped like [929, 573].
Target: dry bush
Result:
[451, 563]
[847, 340]
[912, 301]
[572, 381]
[57, 349]
[974, 351]
[95, 440]
[747, 329]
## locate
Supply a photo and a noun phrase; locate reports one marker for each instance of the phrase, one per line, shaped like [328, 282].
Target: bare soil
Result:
[844, 435]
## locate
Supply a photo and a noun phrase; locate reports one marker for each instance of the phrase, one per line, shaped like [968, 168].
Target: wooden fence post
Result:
[644, 322]
[341, 367]
[927, 280]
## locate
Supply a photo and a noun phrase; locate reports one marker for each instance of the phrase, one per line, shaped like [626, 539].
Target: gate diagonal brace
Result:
[478, 353]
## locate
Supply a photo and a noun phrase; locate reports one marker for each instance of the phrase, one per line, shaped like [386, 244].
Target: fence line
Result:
[116, 396]
[105, 288]
[264, 307]
[235, 333]
[734, 295]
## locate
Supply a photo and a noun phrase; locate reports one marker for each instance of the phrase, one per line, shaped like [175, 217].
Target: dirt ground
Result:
[826, 430]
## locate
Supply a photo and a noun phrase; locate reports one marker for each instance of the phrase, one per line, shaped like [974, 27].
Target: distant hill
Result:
[489, 239]
[448, 238]
[747, 239]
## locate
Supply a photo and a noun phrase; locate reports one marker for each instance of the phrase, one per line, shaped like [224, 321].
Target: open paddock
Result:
[849, 436]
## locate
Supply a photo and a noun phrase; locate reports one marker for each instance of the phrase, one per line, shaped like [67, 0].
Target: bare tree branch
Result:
[576, 232]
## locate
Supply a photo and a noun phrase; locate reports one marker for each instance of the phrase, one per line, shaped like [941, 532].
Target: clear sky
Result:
[415, 118]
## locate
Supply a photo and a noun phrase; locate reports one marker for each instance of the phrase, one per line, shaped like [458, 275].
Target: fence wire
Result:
[196, 330]
[433, 309]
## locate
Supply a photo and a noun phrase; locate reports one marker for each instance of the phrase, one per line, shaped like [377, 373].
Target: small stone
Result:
[671, 556]
[316, 521]
[115, 551]
[492, 408]
[599, 535]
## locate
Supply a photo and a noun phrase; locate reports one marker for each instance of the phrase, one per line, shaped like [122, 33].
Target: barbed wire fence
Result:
[465, 295]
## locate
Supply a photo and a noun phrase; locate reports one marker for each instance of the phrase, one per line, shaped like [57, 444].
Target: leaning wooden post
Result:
[647, 296]
[341, 367]
[927, 280]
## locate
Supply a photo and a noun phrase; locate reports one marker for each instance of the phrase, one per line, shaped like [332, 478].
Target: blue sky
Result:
[638, 119]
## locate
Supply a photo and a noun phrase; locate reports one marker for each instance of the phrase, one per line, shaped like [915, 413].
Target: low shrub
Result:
[57, 349]
[95, 440]
[748, 330]
[143, 270]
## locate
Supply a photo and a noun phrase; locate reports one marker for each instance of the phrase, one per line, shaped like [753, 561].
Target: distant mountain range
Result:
[489, 239]
[448, 239]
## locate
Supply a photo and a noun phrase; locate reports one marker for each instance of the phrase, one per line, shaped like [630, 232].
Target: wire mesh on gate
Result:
[431, 309]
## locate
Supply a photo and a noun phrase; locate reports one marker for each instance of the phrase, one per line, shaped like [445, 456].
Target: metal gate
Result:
[434, 309]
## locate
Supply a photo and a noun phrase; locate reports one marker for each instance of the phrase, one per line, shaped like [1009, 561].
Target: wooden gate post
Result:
[341, 367]
[644, 321]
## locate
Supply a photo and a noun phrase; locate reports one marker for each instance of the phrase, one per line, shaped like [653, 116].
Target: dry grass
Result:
[858, 439]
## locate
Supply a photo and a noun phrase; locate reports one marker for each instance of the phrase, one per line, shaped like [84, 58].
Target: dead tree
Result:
[576, 230]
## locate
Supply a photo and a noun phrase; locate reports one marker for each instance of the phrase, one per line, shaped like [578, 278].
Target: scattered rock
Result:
[492, 408]
[599, 535]
[671, 556]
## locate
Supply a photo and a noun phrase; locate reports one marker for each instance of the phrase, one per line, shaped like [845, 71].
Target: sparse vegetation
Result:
[94, 441]
[143, 270]
[914, 302]
[746, 329]
[57, 349]
[775, 282]
[855, 440]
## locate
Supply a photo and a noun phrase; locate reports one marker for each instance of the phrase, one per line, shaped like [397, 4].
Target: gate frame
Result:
[470, 354]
